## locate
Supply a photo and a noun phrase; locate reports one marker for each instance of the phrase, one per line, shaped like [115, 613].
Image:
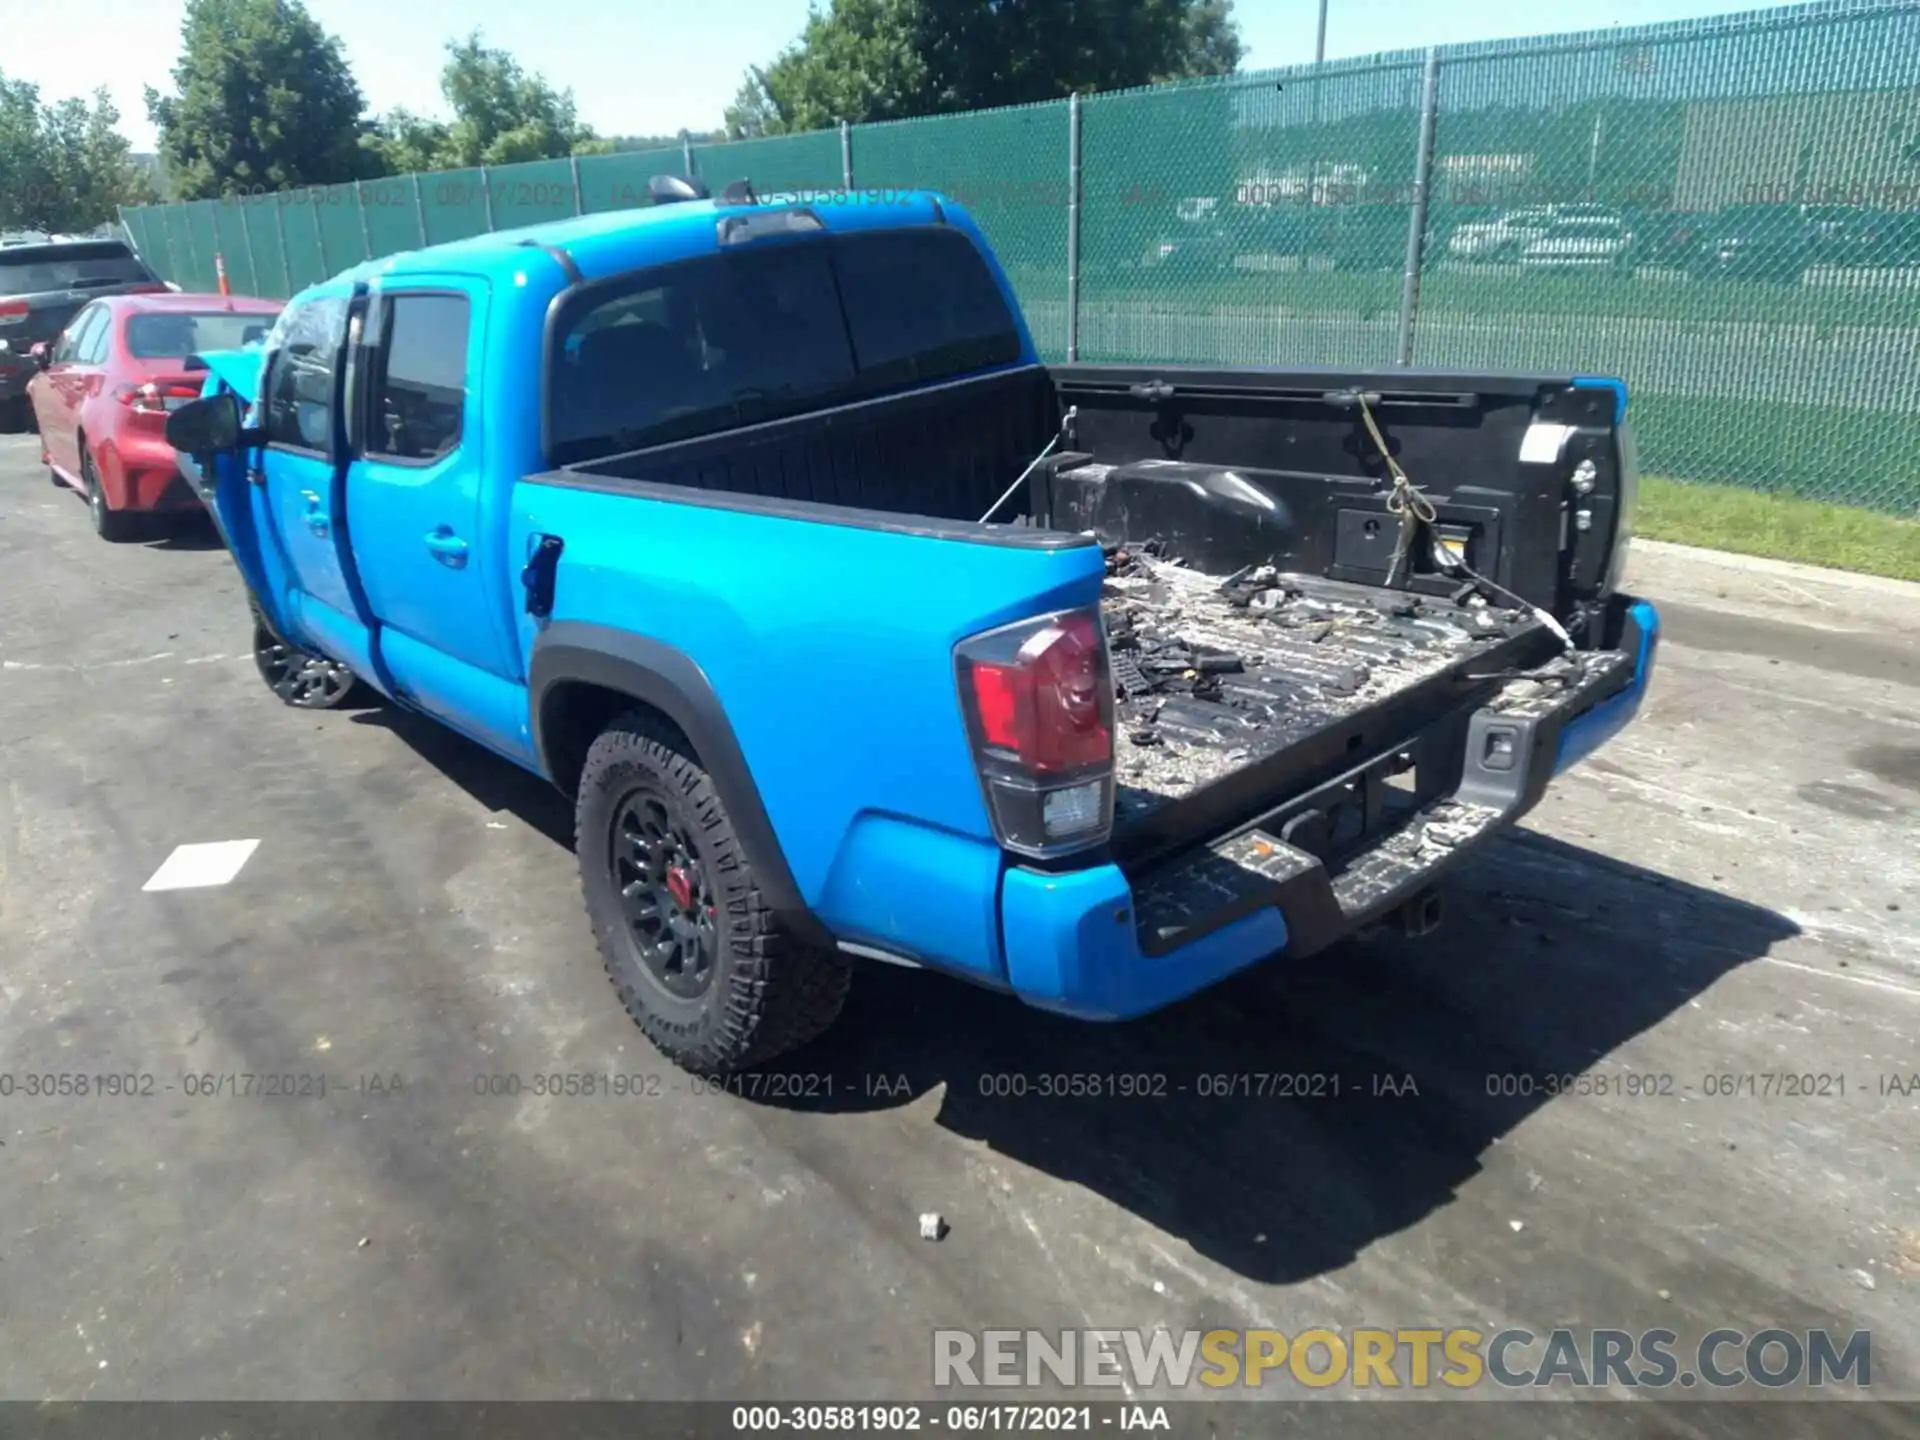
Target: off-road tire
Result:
[769, 992]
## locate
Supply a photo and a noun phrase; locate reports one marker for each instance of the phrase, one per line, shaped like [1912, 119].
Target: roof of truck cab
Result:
[619, 240]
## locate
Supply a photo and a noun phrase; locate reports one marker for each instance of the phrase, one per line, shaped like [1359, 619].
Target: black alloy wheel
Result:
[666, 898]
[301, 679]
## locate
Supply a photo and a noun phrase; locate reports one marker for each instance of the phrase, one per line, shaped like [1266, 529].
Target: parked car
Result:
[1777, 243]
[1345, 235]
[1194, 249]
[1880, 239]
[1505, 237]
[1665, 239]
[763, 533]
[1592, 245]
[42, 287]
[104, 389]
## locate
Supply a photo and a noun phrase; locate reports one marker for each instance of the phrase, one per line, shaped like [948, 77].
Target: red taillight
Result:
[1038, 698]
[156, 397]
[1043, 706]
[12, 310]
[998, 691]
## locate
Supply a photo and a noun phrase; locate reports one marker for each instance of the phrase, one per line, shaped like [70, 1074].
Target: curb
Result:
[1787, 570]
[1774, 590]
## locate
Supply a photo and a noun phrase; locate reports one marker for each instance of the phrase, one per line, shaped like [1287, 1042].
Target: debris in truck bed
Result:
[1211, 673]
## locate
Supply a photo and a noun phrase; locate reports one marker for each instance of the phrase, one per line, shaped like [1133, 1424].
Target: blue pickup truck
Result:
[757, 526]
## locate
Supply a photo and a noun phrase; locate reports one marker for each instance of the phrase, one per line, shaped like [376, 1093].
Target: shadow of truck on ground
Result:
[1270, 1121]
[1287, 1119]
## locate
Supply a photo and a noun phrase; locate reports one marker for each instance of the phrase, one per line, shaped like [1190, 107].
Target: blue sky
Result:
[651, 66]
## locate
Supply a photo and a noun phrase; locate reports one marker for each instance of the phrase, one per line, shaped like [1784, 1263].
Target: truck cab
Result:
[758, 527]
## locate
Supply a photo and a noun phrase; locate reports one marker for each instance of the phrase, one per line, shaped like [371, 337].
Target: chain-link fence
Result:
[1726, 213]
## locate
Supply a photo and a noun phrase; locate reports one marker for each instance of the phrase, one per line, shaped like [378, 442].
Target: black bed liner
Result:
[1234, 692]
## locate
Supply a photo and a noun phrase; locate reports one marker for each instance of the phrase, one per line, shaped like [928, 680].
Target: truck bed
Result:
[1261, 655]
[1214, 675]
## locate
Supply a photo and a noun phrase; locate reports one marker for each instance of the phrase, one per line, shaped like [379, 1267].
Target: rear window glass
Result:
[921, 306]
[169, 335]
[31, 269]
[770, 330]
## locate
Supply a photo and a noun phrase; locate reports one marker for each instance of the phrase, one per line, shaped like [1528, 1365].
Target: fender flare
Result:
[656, 674]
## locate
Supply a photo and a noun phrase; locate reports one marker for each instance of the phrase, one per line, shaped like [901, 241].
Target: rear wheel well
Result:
[572, 715]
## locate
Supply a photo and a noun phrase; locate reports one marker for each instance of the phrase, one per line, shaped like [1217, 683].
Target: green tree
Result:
[23, 177]
[263, 98]
[501, 115]
[865, 60]
[63, 167]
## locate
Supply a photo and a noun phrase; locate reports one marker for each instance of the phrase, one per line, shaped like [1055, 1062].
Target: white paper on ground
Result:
[192, 867]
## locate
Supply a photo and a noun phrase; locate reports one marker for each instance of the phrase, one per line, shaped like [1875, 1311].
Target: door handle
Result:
[318, 521]
[447, 547]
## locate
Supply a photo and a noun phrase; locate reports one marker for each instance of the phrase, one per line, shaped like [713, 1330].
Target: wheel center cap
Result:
[679, 888]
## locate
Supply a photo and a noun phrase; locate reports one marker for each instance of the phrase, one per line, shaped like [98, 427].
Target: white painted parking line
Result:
[192, 867]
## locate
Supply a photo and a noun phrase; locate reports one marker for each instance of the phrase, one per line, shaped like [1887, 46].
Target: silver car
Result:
[1592, 244]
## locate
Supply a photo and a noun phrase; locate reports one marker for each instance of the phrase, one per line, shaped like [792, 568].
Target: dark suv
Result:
[42, 287]
[1770, 242]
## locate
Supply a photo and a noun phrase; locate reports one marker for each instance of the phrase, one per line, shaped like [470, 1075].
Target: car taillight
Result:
[155, 397]
[12, 312]
[1038, 700]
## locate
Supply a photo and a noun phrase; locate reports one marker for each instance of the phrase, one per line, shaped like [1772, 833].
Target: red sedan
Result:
[106, 385]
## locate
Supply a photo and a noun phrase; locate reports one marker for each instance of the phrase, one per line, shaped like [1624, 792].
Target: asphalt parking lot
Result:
[1732, 888]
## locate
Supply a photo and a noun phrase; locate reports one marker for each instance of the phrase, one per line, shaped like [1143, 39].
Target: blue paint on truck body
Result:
[823, 646]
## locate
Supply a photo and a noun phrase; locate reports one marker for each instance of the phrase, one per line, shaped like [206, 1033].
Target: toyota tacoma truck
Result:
[757, 526]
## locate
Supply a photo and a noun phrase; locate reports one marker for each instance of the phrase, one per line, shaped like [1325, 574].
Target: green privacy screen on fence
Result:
[1009, 168]
[1725, 213]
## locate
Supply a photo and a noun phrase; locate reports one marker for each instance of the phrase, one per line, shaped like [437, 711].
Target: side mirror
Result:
[40, 353]
[205, 426]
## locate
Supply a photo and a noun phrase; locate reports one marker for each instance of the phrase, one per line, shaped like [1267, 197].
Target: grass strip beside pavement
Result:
[1780, 527]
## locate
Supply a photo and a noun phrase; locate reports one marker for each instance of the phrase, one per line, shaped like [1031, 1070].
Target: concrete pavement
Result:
[1731, 889]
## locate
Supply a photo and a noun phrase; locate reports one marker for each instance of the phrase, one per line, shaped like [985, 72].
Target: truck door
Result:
[302, 412]
[424, 530]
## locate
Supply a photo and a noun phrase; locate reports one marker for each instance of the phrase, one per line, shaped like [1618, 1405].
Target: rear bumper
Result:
[145, 471]
[1091, 944]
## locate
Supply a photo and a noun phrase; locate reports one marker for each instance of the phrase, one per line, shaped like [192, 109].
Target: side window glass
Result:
[419, 390]
[303, 348]
[68, 344]
[92, 347]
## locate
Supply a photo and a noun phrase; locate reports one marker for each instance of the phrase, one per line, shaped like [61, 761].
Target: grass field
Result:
[1830, 298]
[1722, 517]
